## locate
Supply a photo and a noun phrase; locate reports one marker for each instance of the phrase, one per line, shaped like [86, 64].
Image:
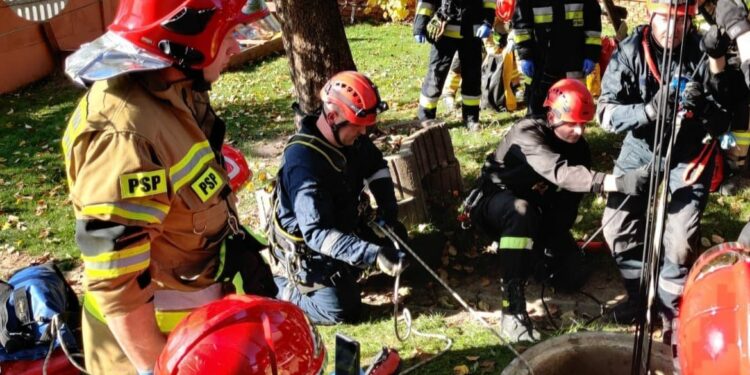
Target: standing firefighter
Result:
[319, 229]
[630, 103]
[453, 25]
[555, 39]
[528, 197]
[156, 220]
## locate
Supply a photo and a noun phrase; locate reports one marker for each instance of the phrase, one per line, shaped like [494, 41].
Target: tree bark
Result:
[316, 45]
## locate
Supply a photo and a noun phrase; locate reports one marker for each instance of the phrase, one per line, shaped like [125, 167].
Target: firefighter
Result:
[453, 26]
[156, 220]
[319, 231]
[528, 196]
[555, 39]
[630, 103]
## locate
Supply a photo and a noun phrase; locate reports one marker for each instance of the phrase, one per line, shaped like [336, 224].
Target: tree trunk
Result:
[315, 44]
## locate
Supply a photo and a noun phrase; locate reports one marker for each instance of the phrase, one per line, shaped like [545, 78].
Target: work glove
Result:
[693, 98]
[484, 31]
[715, 43]
[666, 92]
[420, 38]
[435, 29]
[634, 182]
[588, 66]
[391, 261]
[527, 68]
[727, 141]
[731, 15]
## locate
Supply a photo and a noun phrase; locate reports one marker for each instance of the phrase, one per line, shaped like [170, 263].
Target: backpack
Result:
[39, 312]
[496, 70]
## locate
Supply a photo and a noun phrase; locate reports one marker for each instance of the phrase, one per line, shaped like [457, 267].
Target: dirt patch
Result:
[72, 268]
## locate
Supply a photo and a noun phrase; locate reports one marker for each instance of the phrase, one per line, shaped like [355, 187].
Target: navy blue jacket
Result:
[319, 203]
[628, 85]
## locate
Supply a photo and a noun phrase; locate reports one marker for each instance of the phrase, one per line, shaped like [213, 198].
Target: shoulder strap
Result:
[647, 53]
[330, 153]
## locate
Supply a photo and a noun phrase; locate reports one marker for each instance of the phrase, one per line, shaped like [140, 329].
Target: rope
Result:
[55, 327]
[401, 244]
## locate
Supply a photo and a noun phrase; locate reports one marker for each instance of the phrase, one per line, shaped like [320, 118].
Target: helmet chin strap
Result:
[335, 128]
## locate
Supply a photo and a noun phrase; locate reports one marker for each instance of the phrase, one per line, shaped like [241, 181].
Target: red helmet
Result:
[354, 96]
[713, 332]
[243, 335]
[504, 9]
[237, 169]
[187, 32]
[569, 100]
[678, 7]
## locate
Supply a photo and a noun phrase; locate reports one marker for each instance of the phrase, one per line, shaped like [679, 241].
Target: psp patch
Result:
[207, 184]
[143, 184]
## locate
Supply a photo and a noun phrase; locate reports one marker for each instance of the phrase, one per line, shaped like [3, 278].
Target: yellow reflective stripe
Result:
[596, 41]
[453, 34]
[573, 15]
[121, 254]
[117, 272]
[490, 4]
[192, 163]
[149, 212]
[470, 101]
[542, 15]
[742, 137]
[516, 243]
[521, 37]
[426, 102]
[425, 9]
[75, 125]
[168, 320]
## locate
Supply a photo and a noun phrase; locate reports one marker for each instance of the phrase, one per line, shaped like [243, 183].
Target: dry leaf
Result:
[485, 282]
[442, 273]
[705, 242]
[41, 207]
[452, 250]
[472, 358]
[461, 370]
[445, 260]
[44, 233]
[10, 112]
[469, 269]
[445, 302]
[717, 239]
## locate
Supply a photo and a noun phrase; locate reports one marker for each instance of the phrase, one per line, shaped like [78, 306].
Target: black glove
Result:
[693, 97]
[666, 92]
[634, 182]
[391, 261]
[715, 43]
[731, 15]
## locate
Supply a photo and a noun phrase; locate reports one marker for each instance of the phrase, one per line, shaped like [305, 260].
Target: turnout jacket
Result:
[531, 160]
[628, 85]
[318, 191]
[150, 195]
[557, 33]
[464, 16]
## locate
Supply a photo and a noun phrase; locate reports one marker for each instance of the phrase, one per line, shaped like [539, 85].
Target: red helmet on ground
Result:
[354, 97]
[244, 335]
[713, 332]
[237, 169]
[678, 7]
[569, 100]
[504, 9]
[187, 32]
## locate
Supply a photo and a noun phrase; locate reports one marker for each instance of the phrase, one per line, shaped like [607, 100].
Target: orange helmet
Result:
[243, 335]
[354, 97]
[713, 332]
[676, 6]
[238, 171]
[569, 100]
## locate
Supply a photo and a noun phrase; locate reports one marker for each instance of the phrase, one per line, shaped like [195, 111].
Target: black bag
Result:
[493, 90]
[242, 256]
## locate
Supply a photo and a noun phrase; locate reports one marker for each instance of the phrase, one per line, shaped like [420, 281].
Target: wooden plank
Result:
[262, 50]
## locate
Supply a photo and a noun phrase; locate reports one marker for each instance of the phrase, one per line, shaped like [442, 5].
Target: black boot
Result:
[515, 324]
[630, 311]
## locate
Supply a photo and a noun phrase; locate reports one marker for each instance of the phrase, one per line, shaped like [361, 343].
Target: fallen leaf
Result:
[485, 282]
[44, 233]
[41, 207]
[469, 269]
[452, 250]
[717, 239]
[445, 302]
[445, 260]
[461, 370]
[487, 365]
[442, 273]
[10, 112]
[705, 242]
[472, 358]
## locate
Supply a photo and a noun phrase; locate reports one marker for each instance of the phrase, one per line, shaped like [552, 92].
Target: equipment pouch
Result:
[435, 29]
[240, 256]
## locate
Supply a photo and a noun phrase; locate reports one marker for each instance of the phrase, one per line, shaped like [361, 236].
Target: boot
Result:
[630, 311]
[515, 324]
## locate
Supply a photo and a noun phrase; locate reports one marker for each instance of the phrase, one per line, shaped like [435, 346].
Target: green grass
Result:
[255, 102]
